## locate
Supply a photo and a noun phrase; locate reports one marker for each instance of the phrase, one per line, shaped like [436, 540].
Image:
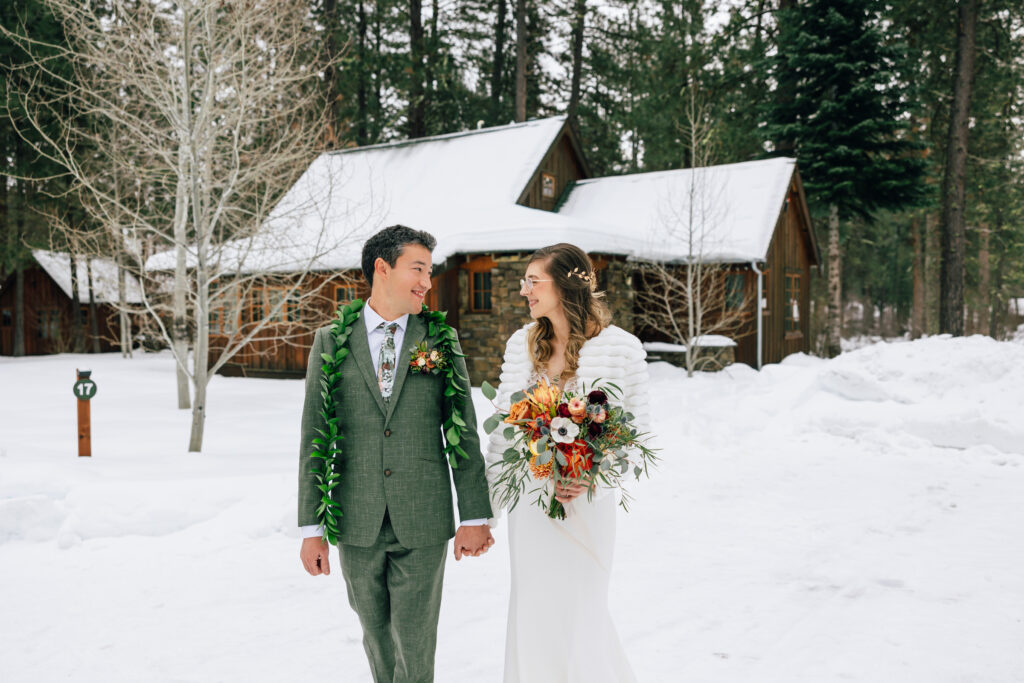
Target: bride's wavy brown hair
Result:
[572, 273]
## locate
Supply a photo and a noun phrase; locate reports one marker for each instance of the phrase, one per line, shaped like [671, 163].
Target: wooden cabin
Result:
[491, 197]
[49, 305]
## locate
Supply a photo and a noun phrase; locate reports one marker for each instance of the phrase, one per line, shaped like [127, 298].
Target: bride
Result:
[559, 626]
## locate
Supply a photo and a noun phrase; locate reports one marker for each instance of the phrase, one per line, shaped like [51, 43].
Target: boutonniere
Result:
[426, 360]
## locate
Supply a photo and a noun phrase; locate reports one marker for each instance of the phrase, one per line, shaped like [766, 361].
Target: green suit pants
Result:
[396, 592]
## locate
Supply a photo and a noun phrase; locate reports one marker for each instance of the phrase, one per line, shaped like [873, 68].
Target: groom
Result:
[395, 491]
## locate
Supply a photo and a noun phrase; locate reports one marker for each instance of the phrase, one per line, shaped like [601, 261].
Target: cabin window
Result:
[734, 290]
[344, 294]
[480, 292]
[547, 185]
[792, 302]
[252, 310]
[281, 304]
[49, 324]
[218, 325]
[261, 301]
[5, 318]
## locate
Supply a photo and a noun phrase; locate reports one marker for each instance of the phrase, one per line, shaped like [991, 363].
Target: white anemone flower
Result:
[564, 430]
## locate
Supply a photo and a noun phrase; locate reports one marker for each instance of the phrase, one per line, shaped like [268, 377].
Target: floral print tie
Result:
[386, 364]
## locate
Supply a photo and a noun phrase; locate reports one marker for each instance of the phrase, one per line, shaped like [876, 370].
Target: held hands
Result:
[472, 541]
[315, 556]
[565, 493]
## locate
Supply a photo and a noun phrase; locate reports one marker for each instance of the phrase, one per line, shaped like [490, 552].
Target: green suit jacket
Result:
[392, 452]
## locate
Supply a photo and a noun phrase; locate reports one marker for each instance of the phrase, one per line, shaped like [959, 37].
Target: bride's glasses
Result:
[528, 283]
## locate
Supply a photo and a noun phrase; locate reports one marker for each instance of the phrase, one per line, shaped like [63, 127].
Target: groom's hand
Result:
[315, 556]
[472, 540]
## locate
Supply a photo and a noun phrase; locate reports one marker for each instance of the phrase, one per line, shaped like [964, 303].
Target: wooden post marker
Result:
[84, 390]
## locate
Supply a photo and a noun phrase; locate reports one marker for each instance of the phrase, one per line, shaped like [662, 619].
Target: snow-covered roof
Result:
[735, 208]
[104, 277]
[463, 188]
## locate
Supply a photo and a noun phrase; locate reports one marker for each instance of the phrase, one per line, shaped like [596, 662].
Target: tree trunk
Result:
[19, 309]
[577, 57]
[378, 77]
[951, 310]
[834, 285]
[417, 103]
[19, 265]
[984, 323]
[332, 27]
[497, 72]
[200, 369]
[931, 273]
[123, 321]
[361, 95]
[77, 324]
[786, 94]
[998, 302]
[94, 316]
[179, 310]
[521, 38]
[917, 314]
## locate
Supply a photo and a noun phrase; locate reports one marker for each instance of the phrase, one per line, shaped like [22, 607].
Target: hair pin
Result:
[581, 274]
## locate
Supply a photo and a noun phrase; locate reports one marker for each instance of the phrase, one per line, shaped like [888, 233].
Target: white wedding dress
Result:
[560, 629]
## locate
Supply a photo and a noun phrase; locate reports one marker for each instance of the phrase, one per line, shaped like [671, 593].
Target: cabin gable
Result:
[562, 165]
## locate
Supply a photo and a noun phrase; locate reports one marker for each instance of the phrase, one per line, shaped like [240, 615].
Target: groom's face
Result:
[405, 285]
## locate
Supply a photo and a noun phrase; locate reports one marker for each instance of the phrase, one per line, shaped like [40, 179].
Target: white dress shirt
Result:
[375, 336]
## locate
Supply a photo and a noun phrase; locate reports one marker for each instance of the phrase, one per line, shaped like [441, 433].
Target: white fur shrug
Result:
[613, 356]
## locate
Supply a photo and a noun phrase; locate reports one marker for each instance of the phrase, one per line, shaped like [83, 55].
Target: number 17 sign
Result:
[84, 390]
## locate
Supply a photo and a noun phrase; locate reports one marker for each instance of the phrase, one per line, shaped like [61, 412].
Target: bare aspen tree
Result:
[182, 124]
[687, 296]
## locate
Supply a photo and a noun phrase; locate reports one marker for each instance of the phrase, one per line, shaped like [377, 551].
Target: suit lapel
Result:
[414, 333]
[360, 347]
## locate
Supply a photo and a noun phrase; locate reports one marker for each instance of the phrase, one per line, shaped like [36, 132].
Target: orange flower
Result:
[539, 471]
[545, 395]
[519, 411]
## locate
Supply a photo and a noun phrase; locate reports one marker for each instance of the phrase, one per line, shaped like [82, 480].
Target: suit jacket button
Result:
[387, 432]
[387, 473]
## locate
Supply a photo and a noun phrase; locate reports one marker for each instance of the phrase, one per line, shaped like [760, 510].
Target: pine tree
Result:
[847, 120]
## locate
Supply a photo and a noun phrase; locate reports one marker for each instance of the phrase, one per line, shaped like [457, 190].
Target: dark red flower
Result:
[595, 429]
[597, 396]
[563, 410]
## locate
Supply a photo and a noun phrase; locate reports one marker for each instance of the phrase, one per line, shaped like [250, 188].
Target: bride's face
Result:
[542, 296]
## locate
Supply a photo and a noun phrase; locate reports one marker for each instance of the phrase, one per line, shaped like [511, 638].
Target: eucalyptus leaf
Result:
[489, 392]
[491, 423]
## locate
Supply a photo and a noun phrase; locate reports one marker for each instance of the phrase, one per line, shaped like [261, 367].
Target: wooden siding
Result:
[563, 163]
[46, 301]
[791, 253]
[282, 348]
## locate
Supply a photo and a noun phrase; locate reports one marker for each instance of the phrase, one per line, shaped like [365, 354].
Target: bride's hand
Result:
[565, 493]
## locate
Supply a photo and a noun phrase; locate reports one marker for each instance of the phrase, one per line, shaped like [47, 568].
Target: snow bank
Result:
[821, 520]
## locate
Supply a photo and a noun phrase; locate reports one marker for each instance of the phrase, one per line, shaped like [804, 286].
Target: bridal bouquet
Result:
[565, 438]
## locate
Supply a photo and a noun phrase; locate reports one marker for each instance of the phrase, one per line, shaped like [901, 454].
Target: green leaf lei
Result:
[327, 447]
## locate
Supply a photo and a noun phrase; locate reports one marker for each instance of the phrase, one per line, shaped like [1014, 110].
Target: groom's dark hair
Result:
[388, 245]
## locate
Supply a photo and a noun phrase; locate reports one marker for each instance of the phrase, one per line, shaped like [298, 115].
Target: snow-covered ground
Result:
[860, 519]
